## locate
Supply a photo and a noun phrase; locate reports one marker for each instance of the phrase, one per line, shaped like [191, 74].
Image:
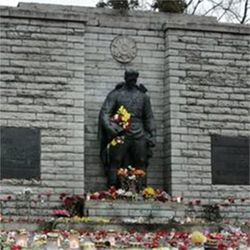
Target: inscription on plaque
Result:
[20, 153]
[230, 160]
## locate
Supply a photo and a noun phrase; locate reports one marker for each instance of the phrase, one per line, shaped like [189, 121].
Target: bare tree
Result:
[232, 11]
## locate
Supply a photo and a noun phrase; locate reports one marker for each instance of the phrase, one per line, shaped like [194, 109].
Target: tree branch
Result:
[235, 14]
[189, 3]
[196, 6]
[226, 9]
[213, 7]
[245, 12]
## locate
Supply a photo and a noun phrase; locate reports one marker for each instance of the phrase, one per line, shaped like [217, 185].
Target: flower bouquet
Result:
[131, 179]
[122, 118]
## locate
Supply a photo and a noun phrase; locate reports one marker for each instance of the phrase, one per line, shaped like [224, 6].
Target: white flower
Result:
[132, 177]
[141, 219]
[120, 191]
[128, 194]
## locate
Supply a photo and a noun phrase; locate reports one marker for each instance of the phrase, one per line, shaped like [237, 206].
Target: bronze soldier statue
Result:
[137, 139]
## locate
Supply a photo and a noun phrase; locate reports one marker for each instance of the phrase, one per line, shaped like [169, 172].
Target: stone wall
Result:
[209, 95]
[42, 86]
[57, 69]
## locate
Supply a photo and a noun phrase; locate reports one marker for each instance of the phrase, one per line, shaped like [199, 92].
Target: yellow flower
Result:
[198, 238]
[125, 115]
[149, 192]
[113, 142]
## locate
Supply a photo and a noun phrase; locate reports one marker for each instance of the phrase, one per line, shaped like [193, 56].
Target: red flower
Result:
[183, 247]
[221, 246]
[198, 202]
[138, 238]
[155, 244]
[102, 195]
[62, 195]
[161, 198]
[231, 199]
[216, 236]
[112, 190]
[94, 196]
[16, 247]
[68, 201]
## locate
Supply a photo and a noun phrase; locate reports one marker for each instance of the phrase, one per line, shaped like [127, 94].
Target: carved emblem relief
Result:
[123, 49]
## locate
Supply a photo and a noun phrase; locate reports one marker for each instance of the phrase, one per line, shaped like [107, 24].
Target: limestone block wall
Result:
[42, 86]
[57, 68]
[103, 72]
[208, 86]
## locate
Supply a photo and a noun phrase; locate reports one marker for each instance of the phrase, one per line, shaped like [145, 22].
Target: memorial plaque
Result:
[230, 160]
[20, 153]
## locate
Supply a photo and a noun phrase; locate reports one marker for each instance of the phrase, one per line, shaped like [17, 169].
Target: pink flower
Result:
[61, 213]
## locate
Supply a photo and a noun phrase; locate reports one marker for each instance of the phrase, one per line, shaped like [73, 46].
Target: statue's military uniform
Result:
[135, 150]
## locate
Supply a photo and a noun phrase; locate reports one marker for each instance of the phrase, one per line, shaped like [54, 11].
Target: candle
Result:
[74, 242]
[52, 241]
[178, 199]
[22, 238]
[88, 245]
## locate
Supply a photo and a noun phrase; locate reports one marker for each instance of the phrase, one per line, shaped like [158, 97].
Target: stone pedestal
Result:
[148, 210]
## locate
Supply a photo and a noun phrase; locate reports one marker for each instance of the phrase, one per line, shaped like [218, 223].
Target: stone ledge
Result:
[218, 27]
[151, 227]
[101, 17]
[130, 209]
[140, 227]
[152, 15]
[37, 14]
